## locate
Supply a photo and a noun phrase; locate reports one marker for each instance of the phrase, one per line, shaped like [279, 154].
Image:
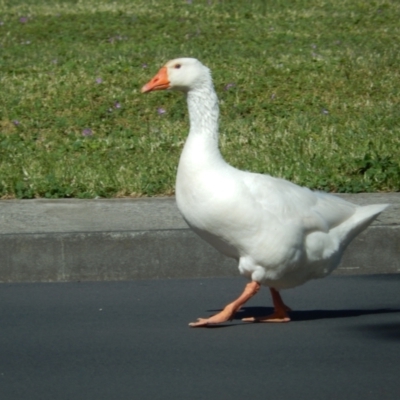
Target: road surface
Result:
[130, 340]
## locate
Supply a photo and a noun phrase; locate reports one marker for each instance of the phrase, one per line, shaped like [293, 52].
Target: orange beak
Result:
[159, 82]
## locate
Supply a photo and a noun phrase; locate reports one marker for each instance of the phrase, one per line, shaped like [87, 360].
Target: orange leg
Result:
[229, 311]
[280, 313]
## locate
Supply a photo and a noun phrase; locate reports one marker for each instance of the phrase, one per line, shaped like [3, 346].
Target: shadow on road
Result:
[311, 315]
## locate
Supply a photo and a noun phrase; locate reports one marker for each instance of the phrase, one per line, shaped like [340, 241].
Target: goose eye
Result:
[177, 66]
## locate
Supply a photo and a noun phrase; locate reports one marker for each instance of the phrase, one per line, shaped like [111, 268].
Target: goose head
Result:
[184, 74]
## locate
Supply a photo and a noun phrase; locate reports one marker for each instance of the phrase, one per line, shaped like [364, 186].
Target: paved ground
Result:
[130, 340]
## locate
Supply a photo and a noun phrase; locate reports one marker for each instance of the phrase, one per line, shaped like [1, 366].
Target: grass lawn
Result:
[309, 91]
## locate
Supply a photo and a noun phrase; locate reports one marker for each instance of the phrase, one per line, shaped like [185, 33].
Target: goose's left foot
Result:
[280, 313]
[225, 315]
[229, 311]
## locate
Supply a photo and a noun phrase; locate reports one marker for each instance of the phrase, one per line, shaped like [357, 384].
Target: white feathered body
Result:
[281, 234]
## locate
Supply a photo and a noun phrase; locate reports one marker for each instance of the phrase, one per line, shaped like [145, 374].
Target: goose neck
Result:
[203, 112]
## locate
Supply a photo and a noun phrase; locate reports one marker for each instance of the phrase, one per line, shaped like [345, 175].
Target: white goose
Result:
[281, 234]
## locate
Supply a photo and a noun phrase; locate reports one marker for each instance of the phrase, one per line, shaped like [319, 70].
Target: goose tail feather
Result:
[361, 219]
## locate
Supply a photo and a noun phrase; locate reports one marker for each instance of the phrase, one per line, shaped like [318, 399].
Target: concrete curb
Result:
[73, 240]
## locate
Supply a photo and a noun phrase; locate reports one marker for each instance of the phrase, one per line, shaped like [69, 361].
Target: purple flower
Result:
[273, 95]
[23, 20]
[324, 111]
[161, 111]
[229, 85]
[99, 80]
[144, 65]
[16, 122]
[117, 105]
[117, 37]
[87, 132]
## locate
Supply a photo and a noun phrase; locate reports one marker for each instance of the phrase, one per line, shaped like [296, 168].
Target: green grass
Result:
[315, 94]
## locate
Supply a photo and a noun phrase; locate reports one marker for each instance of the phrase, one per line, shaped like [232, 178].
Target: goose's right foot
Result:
[280, 313]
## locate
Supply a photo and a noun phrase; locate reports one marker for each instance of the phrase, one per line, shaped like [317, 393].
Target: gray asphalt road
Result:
[130, 340]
